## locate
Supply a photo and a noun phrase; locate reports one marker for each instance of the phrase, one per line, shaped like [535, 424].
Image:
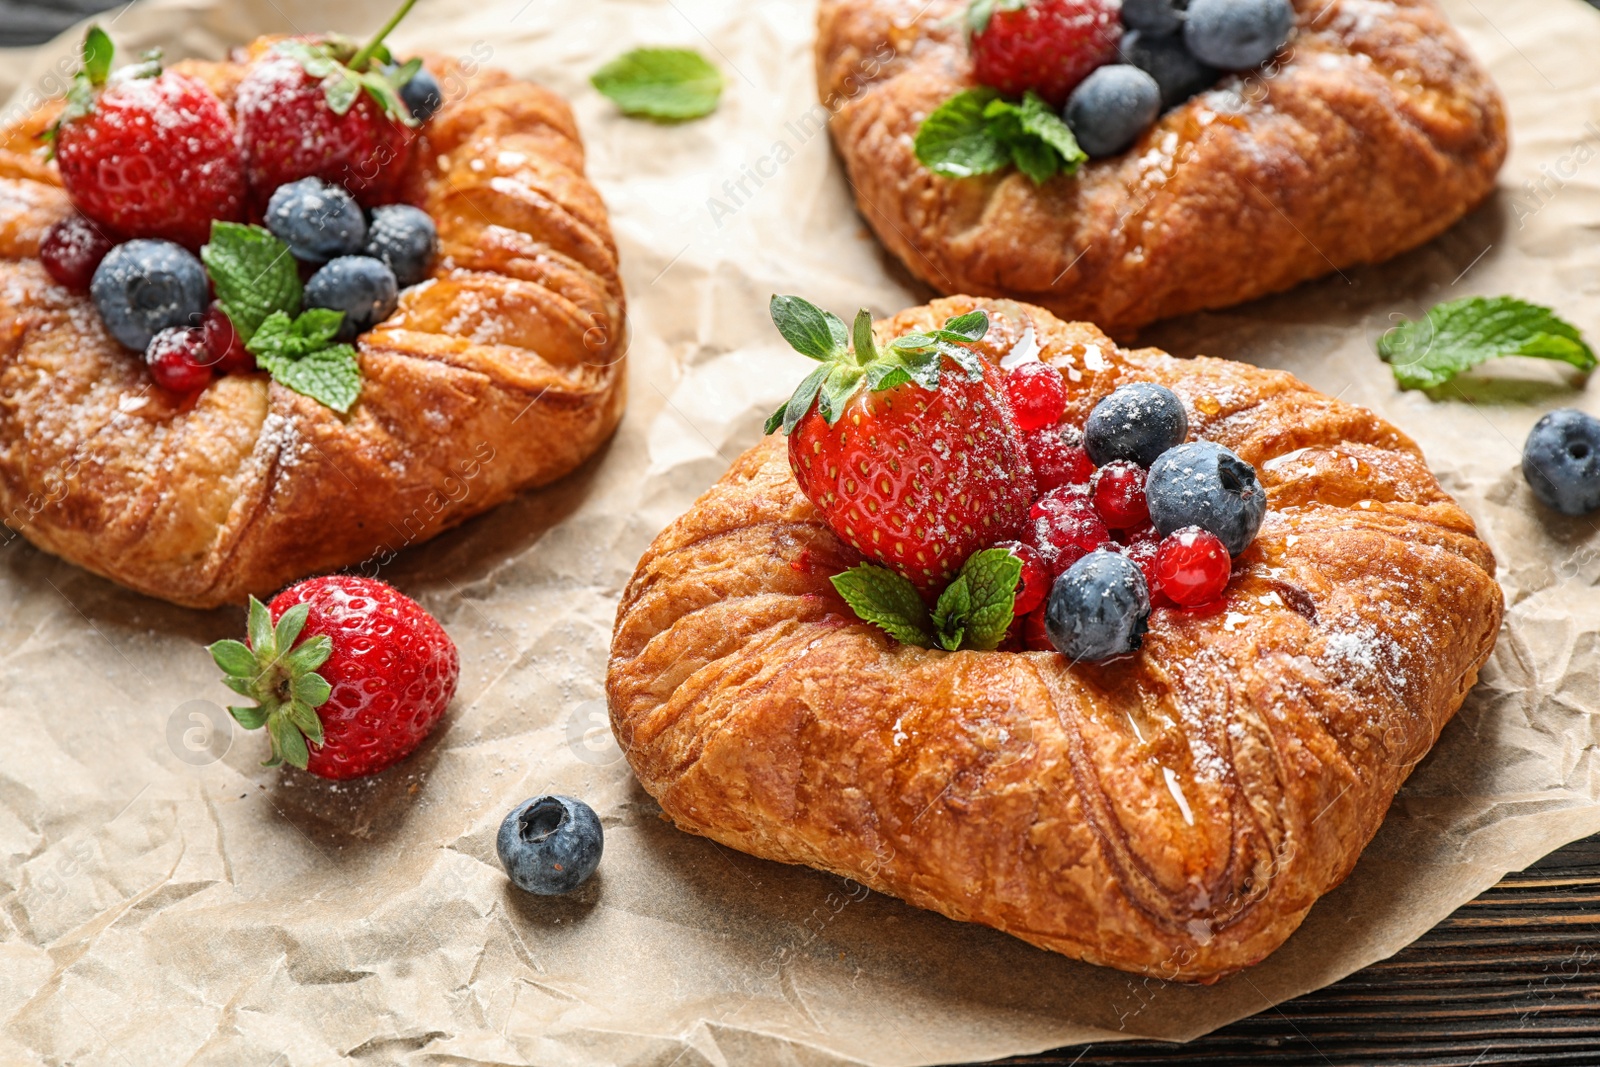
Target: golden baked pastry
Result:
[1376, 134]
[501, 372]
[1176, 811]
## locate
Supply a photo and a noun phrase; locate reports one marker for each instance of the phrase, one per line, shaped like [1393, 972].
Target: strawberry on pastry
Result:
[348, 673]
[908, 450]
[1047, 46]
[147, 152]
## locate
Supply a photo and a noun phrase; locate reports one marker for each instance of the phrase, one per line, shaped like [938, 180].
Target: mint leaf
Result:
[253, 273]
[975, 609]
[666, 84]
[888, 600]
[979, 132]
[300, 355]
[281, 335]
[950, 614]
[1461, 334]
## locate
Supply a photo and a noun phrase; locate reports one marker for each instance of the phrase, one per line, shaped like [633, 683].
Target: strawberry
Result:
[147, 153]
[349, 675]
[908, 451]
[1047, 46]
[321, 108]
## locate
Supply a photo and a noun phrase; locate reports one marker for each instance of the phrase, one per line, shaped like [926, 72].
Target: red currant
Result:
[1034, 584]
[1118, 489]
[1138, 535]
[1192, 566]
[225, 352]
[1062, 527]
[1144, 554]
[1035, 638]
[71, 249]
[1056, 462]
[177, 359]
[1038, 399]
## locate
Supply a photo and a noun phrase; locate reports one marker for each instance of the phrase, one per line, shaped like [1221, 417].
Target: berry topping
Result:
[1112, 107]
[1237, 34]
[316, 220]
[178, 359]
[1143, 552]
[1158, 18]
[1047, 46]
[1137, 422]
[1034, 584]
[1204, 484]
[1118, 490]
[349, 674]
[1037, 396]
[907, 450]
[142, 287]
[1035, 635]
[1192, 566]
[550, 845]
[360, 286]
[1179, 74]
[71, 249]
[405, 238]
[421, 94]
[224, 349]
[1056, 460]
[1098, 608]
[1561, 461]
[147, 153]
[1062, 527]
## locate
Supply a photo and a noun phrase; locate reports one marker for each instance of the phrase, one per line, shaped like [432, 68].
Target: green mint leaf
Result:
[979, 12]
[1461, 334]
[951, 613]
[866, 349]
[888, 600]
[665, 84]
[253, 273]
[991, 576]
[97, 53]
[279, 335]
[809, 330]
[1040, 121]
[233, 658]
[955, 140]
[1035, 159]
[330, 376]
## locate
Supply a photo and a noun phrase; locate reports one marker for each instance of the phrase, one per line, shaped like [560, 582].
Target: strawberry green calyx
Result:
[93, 75]
[822, 336]
[281, 678]
[346, 71]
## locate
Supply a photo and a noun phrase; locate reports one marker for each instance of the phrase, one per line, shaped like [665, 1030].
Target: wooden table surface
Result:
[1511, 978]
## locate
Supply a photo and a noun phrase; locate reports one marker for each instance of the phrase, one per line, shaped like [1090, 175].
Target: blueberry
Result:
[1098, 607]
[1562, 461]
[1111, 107]
[1137, 422]
[142, 287]
[550, 845]
[1237, 34]
[316, 220]
[1157, 17]
[422, 95]
[1203, 484]
[1179, 74]
[360, 286]
[405, 238]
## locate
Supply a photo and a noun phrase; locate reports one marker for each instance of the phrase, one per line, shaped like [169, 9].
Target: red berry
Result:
[1118, 489]
[225, 352]
[71, 249]
[1048, 46]
[1056, 461]
[287, 132]
[1192, 566]
[393, 671]
[154, 157]
[1144, 554]
[1138, 535]
[1038, 399]
[1063, 528]
[1035, 638]
[178, 360]
[1034, 584]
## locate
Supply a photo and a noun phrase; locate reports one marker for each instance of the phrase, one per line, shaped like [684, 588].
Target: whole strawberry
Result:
[349, 675]
[147, 153]
[909, 451]
[1048, 46]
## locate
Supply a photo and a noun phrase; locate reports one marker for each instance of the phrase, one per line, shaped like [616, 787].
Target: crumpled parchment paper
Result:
[168, 901]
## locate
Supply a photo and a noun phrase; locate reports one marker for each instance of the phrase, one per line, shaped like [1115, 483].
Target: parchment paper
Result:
[166, 900]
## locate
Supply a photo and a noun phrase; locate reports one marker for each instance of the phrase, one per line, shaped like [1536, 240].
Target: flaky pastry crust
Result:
[1375, 134]
[1176, 811]
[502, 371]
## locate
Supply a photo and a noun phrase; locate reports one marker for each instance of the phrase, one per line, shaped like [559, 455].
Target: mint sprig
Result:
[253, 272]
[300, 353]
[665, 84]
[974, 611]
[979, 132]
[281, 677]
[1460, 334]
[822, 336]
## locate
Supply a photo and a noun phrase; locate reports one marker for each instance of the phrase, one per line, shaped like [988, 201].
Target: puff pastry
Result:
[1376, 133]
[501, 372]
[1176, 811]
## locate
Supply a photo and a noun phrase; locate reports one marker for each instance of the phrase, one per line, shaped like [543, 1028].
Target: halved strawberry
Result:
[908, 450]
